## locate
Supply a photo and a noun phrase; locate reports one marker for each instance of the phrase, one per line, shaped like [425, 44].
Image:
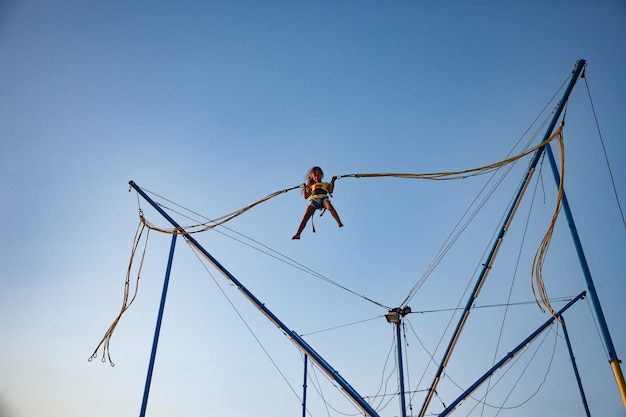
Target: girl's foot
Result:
[295, 237]
[340, 224]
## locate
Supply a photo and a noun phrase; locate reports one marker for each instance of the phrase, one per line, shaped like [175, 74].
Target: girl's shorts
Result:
[318, 203]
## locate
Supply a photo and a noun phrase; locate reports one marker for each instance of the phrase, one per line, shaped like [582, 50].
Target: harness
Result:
[319, 190]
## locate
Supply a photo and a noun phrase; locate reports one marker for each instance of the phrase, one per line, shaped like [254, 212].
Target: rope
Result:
[453, 175]
[266, 249]
[456, 232]
[203, 227]
[537, 283]
[106, 339]
[540, 292]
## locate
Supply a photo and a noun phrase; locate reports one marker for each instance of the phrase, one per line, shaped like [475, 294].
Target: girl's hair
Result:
[309, 180]
[316, 168]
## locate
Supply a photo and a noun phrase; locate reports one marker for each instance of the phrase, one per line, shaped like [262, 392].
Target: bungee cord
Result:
[540, 292]
[451, 175]
[461, 225]
[455, 175]
[537, 284]
[465, 220]
[126, 302]
[266, 250]
[211, 224]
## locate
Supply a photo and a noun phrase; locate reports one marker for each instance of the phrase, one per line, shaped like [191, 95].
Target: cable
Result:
[407, 369]
[200, 259]
[507, 370]
[458, 228]
[505, 314]
[211, 224]
[268, 251]
[340, 326]
[606, 157]
[384, 379]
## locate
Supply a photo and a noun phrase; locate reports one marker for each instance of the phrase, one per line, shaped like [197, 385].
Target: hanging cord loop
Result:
[127, 299]
[537, 283]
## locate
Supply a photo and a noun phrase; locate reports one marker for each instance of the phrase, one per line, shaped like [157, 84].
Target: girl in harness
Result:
[317, 192]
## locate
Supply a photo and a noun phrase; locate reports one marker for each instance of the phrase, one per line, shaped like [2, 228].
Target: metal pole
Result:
[508, 357]
[573, 360]
[593, 295]
[306, 360]
[400, 367]
[299, 342]
[580, 64]
[157, 330]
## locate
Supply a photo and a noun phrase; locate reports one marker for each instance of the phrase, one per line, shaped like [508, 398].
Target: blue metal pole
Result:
[580, 64]
[593, 295]
[400, 367]
[157, 330]
[306, 360]
[573, 360]
[508, 357]
[299, 342]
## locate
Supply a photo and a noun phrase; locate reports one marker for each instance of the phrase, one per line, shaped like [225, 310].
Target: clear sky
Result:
[214, 105]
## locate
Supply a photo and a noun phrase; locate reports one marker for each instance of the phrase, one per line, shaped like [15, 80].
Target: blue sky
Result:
[215, 105]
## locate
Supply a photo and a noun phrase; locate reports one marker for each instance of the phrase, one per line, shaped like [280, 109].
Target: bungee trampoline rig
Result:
[396, 315]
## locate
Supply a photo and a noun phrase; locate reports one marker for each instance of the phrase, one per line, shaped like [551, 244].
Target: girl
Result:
[317, 192]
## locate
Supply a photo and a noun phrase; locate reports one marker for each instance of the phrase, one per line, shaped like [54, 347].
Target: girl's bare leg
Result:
[307, 215]
[333, 212]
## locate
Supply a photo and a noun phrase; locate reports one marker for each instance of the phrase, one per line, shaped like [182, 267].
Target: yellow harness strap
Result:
[319, 190]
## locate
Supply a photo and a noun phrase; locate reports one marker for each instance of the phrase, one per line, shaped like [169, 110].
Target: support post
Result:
[580, 64]
[573, 360]
[400, 368]
[306, 360]
[157, 330]
[508, 357]
[394, 316]
[593, 295]
[356, 398]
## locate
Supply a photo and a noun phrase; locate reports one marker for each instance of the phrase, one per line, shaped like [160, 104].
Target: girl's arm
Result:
[331, 186]
[306, 190]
